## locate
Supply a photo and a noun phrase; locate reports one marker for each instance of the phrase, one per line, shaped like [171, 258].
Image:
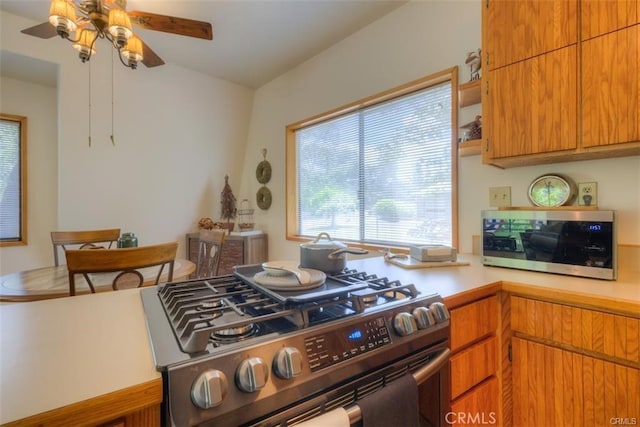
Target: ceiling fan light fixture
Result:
[62, 15]
[84, 44]
[119, 26]
[133, 51]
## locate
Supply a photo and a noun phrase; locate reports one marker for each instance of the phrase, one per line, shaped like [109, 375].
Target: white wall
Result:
[177, 133]
[37, 103]
[414, 40]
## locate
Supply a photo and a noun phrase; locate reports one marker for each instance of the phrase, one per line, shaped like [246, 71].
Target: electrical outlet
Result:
[499, 197]
[588, 194]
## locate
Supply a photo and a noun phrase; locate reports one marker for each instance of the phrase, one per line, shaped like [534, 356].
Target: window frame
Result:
[291, 190]
[22, 239]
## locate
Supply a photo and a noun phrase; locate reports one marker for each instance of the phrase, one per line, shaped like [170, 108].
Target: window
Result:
[381, 171]
[13, 164]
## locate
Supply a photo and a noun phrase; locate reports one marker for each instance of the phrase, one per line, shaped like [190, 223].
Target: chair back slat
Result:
[210, 243]
[83, 238]
[128, 260]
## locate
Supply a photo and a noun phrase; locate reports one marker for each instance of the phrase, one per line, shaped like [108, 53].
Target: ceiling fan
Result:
[89, 20]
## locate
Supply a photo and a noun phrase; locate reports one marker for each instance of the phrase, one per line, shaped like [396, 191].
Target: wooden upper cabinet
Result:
[525, 28]
[533, 105]
[611, 88]
[603, 16]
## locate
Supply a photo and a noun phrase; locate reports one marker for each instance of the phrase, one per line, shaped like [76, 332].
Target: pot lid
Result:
[323, 241]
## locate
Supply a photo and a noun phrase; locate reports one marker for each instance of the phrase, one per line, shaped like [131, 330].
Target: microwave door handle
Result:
[420, 376]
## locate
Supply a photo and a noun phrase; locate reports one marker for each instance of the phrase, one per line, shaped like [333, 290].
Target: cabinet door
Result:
[533, 105]
[603, 16]
[611, 88]
[256, 249]
[522, 29]
[552, 386]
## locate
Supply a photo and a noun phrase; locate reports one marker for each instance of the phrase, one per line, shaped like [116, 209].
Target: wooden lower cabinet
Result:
[136, 406]
[557, 387]
[474, 363]
[573, 365]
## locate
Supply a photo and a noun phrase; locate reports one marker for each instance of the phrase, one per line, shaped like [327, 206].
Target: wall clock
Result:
[552, 190]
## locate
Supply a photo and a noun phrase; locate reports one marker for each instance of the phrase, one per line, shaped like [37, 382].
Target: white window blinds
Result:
[380, 174]
[10, 180]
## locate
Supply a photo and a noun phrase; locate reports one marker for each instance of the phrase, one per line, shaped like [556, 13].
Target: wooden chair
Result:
[126, 261]
[84, 239]
[209, 251]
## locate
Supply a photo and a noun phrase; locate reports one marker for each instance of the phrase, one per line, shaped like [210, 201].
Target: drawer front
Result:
[473, 365]
[472, 322]
[479, 407]
[594, 331]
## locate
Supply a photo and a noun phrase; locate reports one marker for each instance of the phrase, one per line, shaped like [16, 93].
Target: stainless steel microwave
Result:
[574, 242]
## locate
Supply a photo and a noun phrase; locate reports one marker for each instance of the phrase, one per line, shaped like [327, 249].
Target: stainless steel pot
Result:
[326, 254]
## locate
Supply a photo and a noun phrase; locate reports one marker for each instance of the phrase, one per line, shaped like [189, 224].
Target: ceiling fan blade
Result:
[149, 57]
[44, 31]
[171, 24]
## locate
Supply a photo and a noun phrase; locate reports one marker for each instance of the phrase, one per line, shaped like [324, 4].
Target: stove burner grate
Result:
[225, 309]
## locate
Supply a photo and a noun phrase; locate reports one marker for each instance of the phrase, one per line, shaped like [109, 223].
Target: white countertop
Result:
[58, 352]
[448, 281]
[62, 351]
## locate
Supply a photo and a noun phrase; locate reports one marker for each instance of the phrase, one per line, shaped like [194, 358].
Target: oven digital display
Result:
[355, 335]
[346, 342]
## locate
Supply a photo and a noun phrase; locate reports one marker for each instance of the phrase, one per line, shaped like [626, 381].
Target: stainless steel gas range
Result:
[232, 352]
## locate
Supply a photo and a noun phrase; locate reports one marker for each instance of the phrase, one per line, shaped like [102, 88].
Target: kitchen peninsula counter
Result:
[76, 360]
[89, 357]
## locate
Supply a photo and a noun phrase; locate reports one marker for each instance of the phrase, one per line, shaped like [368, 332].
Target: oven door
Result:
[429, 368]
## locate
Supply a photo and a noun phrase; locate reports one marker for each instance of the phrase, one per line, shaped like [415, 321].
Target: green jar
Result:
[127, 240]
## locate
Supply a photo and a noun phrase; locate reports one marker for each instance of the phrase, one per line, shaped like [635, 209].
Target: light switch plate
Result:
[588, 194]
[499, 197]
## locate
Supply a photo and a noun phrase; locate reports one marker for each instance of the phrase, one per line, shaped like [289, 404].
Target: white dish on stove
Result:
[290, 281]
[280, 268]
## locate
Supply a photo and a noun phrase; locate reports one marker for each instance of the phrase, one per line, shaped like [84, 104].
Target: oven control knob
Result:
[252, 374]
[440, 311]
[287, 363]
[404, 324]
[209, 389]
[424, 317]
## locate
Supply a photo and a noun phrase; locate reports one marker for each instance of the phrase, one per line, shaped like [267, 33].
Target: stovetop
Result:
[199, 318]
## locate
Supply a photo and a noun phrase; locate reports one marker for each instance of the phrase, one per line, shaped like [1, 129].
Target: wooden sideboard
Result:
[238, 249]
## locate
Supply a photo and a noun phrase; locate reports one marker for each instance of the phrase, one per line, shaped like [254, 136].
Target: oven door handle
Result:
[420, 376]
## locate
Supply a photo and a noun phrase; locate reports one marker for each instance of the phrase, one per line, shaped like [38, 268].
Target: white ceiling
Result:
[253, 42]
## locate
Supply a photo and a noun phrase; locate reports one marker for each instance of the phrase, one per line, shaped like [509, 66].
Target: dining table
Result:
[53, 281]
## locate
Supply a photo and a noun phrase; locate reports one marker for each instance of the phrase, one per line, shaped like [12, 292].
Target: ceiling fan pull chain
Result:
[89, 68]
[113, 142]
